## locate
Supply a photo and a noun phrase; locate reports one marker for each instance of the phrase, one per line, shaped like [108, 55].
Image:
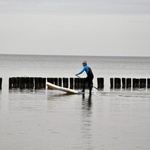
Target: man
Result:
[89, 77]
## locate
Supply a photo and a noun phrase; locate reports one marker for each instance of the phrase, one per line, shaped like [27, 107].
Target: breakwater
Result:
[128, 83]
[27, 82]
[40, 83]
[75, 83]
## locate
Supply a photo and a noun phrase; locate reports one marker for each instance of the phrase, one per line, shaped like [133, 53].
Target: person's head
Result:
[84, 63]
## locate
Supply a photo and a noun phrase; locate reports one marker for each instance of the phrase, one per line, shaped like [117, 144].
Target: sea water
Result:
[51, 120]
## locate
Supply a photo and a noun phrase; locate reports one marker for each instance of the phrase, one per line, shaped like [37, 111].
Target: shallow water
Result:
[53, 120]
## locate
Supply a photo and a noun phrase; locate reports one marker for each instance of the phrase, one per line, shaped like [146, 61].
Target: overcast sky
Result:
[75, 27]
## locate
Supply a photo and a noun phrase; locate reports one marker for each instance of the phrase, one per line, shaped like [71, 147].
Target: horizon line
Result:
[76, 55]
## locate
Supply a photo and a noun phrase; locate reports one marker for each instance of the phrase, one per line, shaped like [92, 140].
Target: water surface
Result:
[53, 120]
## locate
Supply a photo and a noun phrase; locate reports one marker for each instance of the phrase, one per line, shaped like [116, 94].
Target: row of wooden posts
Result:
[75, 83]
[27, 82]
[40, 83]
[117, 83]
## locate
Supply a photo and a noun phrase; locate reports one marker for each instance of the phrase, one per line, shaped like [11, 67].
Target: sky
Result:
[75, 27]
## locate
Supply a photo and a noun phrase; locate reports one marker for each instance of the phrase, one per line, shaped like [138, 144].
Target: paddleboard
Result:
[67, 90]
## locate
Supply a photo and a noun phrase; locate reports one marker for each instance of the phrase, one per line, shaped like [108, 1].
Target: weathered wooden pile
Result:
[27, 82]
[0, 83]
[40, 83]
[75, 83]
[117, 83]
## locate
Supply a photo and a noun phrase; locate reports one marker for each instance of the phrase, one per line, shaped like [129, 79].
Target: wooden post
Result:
[36, 83]
[136, 83]
[123, 83]
[60, 81]
[71, 83]
[43, 83]
[142, 83]
[111, 83]
[100, 83]
[65, 82]
[128, 81]
[17, 82]
[117, 83]
[148, 83]
[31, 83]
[76, 83]
[27, 82]
[80, 83]
[10, 83]
[14, 82]
[40, 82]
[0, 83]
[56, 81]
[51, 80]
[22, 83]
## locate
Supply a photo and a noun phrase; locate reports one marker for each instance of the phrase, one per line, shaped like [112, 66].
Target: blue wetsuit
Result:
[88, 79]
[85, 68]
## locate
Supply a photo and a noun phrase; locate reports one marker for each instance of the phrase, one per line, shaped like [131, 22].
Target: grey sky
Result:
[75, 27]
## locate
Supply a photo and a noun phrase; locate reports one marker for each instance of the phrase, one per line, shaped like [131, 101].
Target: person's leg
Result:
[84, 84]
[90, 85]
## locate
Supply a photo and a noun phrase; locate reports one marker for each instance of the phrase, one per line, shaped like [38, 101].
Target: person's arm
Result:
[80, 72]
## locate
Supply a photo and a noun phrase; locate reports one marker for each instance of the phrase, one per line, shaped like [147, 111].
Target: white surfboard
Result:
[56, 87]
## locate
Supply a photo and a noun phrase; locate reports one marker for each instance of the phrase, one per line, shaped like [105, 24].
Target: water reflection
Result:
[86, 128]
[86, 103]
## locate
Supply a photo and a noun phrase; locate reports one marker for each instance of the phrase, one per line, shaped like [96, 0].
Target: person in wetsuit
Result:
[89, 77]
